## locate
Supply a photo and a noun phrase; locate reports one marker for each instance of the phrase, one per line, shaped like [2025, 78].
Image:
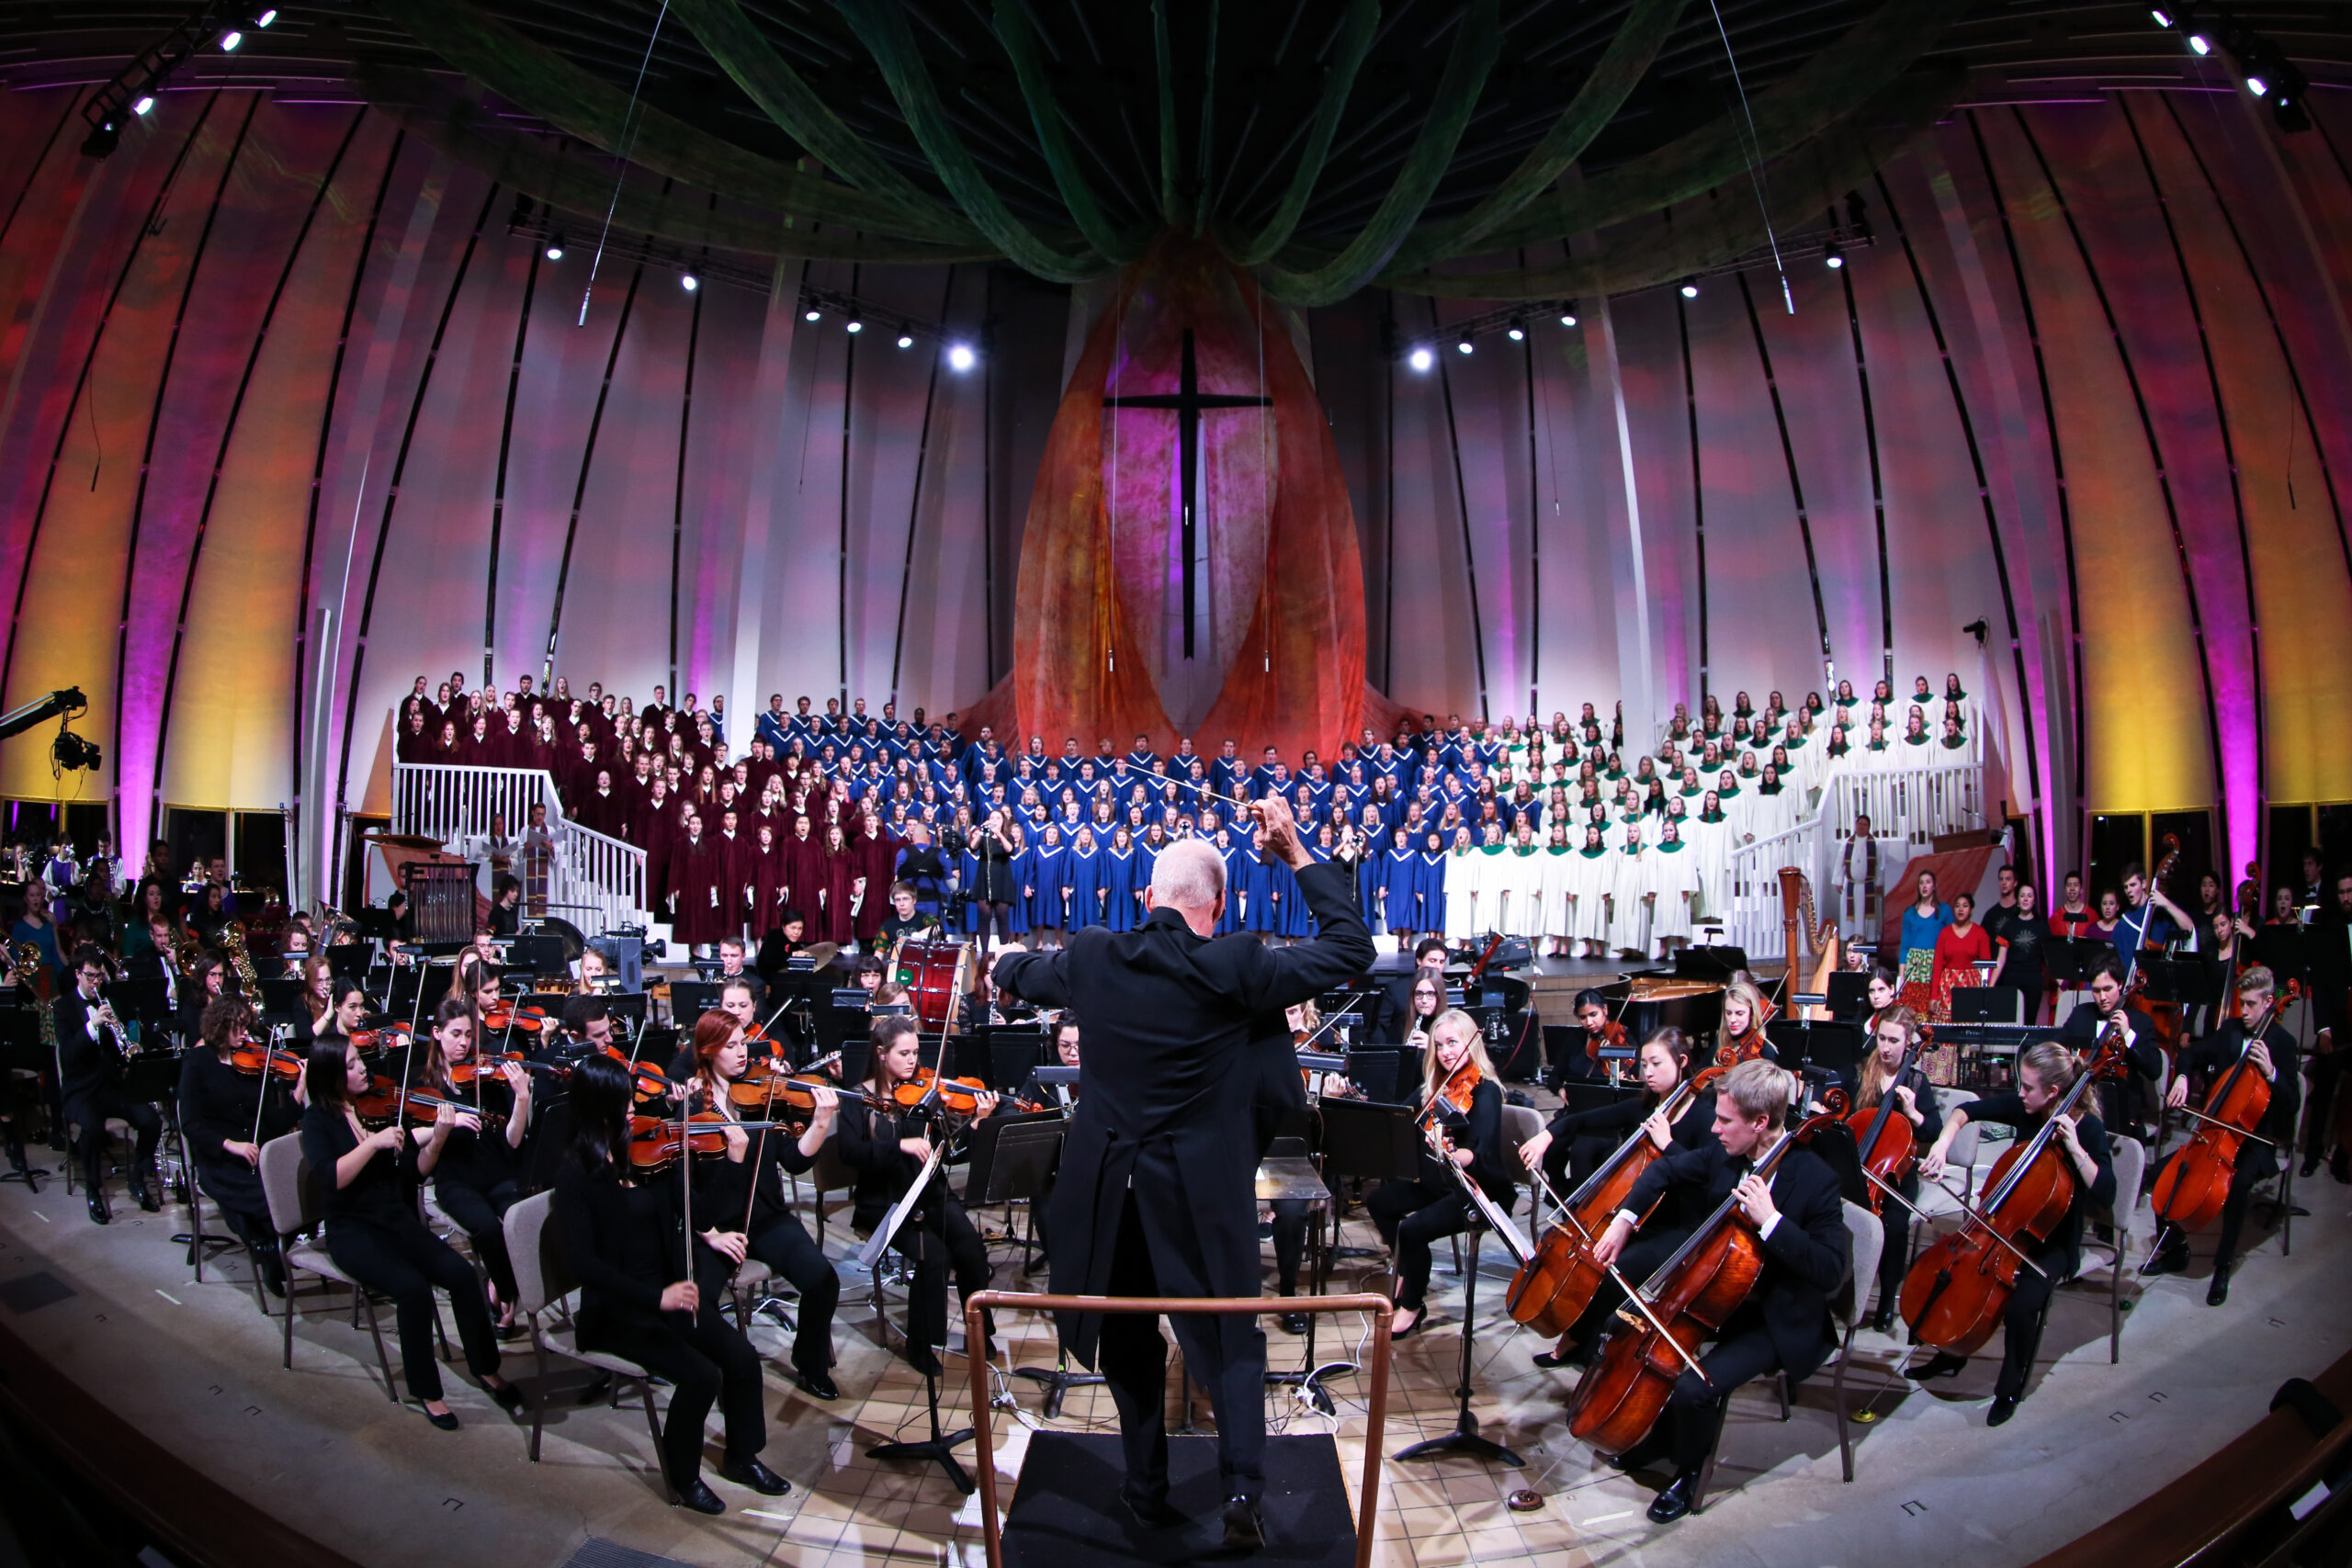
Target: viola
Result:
[656, 1142]
[1551, 1289]
[2191, 1189]
[388, 1037]
[505, 1017]
[1883, 1135]
[1685, 1303]
[763, 1082]
[254, 1060]
[1956, 1292]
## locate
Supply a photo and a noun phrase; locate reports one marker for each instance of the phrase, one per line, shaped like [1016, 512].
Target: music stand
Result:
[1828, 1045]
[280, 998]
[690, 998]
[1013, 1054]
[1369, 1142]
[1850, 996]
[940, 1446]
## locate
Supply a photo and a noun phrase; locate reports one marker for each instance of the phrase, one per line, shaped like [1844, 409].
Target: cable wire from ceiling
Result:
[628, 145]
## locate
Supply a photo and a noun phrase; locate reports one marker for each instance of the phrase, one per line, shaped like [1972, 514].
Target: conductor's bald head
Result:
[1189, 877]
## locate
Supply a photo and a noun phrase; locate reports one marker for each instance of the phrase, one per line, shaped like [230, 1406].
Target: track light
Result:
[1420, 359]
[142, 103]
[266, 18]
[229, 40]
[2198, 44]
[960, 358]
[1517, 332]
[1689, 289]
[2257, 86]
[555, 248]
[856, 325]
[1831, 256]
[813, 314]
[2164, 19]
[690, 283]
[1462, 347]
[906, 340]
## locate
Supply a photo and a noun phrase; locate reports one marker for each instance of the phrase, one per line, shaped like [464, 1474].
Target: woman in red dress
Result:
[1960, 947]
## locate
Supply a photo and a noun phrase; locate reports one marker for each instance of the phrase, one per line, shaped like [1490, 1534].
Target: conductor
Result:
[1155, 1194]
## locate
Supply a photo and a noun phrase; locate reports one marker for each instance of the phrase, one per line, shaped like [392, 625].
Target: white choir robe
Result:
[1522, 911]
[1629, 909]
[1554, 907]
[1807, 761]
[1712, 842]
[1461, 879]
[1777, 813]
[1673, 878]
[1590, 881]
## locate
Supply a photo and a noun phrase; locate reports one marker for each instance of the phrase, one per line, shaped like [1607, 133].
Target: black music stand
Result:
[1377, 1074]
[280, 998]
[940, 1447]
[1013, 1054]
[1465, 1438]
[1826, 1045]
[689, 1000]
[1369, 1142]
[1850, 996]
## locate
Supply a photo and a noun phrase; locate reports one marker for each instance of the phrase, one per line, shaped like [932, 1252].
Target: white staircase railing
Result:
[1907, 807]
[593, 880]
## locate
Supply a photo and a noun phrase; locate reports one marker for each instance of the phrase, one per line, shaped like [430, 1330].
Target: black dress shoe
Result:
[1292, 1323]
[145, 1192]
[1882, 1320]
[2003, 1408]
[1574, 1356]
[1151, 1509]
[2219, 1291]
[2168, 1260]
[751, 1472]
[1420, 1321]
[697, 1494]
[2310, 1166]
[1675, 1501]
[1641, 1456]
[98, 1215]
[1943, 1365]
[507, 1397]
[1245, 1527]
[447, 1420]
[817, 1384]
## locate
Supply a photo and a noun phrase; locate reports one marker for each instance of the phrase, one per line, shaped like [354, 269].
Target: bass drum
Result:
[937, 976]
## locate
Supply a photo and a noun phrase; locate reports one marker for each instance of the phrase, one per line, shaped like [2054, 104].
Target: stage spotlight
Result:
[960, 358]
[856, 325]
[104, 138]
[906, 340]
[1422, 359]
[266, 18]
[1831, 256]
[1517, 332]
[1689, 289]
[690, 283]
[2199, 45]
[142, 103]
[229, 40]
[1462, 347]
[813, 314]
[555, 248]
[1569, 314]
[2164, 19]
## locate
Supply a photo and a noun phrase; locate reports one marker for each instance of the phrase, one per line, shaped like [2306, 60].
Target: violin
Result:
[383, 1104]
[388, 1037]
[762, 1081]
[1611, 1034]
[1456, 1092]
[1686, 1301]
[1551, 1289]
[959, 1097]
[507, 1016]
[2191, 1189]
[1883, 1136]
[1749, 1047]
[254, 1061]
[656, 1142]
[1956, 1292]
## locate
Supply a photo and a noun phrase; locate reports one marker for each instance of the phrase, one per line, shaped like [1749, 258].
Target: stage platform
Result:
[117, 1315]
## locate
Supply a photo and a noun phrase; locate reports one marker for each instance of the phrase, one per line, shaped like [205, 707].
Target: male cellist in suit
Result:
[1155, 1192]
[1784, 1324]
[2257, 1037]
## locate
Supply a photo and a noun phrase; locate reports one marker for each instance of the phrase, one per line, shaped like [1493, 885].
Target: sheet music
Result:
[879, 1242]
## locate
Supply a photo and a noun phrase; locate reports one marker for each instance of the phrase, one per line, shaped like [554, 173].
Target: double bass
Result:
[1552, 1288]
[1684, 1303]
[2191, 1190]
[1956, 1292]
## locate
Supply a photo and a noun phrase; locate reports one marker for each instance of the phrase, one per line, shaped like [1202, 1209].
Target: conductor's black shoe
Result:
[697, 1494]
[1675, 1501]
[1245, 1527]
[1293, 1322]
[1151, 1509]
[98, 1215]
[751, 1472]
[2219, 1291]
[1943, 1365]
[817, 1384]
[2003, 1408]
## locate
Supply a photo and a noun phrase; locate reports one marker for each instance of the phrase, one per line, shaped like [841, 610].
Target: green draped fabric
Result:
[1356, 33]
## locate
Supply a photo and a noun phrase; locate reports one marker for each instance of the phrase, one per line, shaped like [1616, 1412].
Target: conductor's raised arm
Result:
[1342, 948]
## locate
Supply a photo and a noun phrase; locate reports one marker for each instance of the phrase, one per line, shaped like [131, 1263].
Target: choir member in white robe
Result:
[1630, 895]
[1778, 806]
[1673, 881]
[1462, 867]
[1589, 882]
[1556, 901]
[1712, 839]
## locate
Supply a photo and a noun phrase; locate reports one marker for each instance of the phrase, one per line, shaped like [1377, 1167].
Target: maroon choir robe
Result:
[839, 880]
[804, 875]
[767, 888]
[877, 857]
[697, 876]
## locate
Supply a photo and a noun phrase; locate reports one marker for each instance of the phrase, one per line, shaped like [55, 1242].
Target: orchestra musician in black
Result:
[92, 1049]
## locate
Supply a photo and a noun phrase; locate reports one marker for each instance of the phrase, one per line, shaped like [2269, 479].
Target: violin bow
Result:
[1964, 1207]
[1622, 1283]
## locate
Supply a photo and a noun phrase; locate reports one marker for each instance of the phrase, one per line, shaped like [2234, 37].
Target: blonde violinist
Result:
[1462, 1108]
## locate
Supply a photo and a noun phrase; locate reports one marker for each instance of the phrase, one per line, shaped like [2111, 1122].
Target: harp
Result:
[1805, 938]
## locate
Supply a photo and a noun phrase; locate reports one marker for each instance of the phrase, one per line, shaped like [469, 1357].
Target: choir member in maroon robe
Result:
[804, 867]
[767, 881]
[840, 882]
[649, 830]
[875, 850]
[697, 875]
[735, 865]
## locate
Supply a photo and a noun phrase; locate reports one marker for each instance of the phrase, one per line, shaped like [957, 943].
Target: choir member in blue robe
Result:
[1082, 882]
[1428, 884]
[1122, 894]
[1400, 888]
[1047, 911]
[1235, 880]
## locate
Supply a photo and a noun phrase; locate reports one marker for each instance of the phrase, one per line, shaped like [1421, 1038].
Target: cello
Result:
[1552, 1289]
[2195, 1182]
[1956, 1292]
[1686, 1301]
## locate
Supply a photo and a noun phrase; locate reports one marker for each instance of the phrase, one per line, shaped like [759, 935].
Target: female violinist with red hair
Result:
[1462, 1097]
